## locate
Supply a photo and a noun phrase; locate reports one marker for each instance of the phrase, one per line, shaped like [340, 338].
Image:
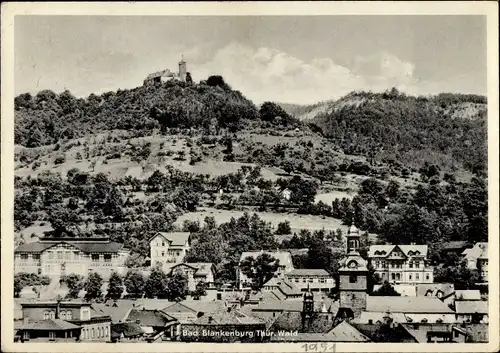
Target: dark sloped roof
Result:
[49, 324]
[128, 329]
[292, 321]
[97, 247]
[471, 307]
[148, 317]
[175, 238]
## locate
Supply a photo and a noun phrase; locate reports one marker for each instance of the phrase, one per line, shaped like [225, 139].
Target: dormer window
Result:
[440, 294]
[352, 264]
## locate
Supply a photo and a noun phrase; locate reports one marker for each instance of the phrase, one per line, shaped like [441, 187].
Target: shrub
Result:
[60, 160]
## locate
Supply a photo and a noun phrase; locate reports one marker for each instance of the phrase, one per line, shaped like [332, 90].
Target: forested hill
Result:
[48, 117]
[449, 130]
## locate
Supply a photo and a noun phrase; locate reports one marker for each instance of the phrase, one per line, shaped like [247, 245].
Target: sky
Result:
[290, 59]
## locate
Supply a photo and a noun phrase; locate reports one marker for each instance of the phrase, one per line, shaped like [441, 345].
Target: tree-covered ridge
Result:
[48, 117]
[392, 126]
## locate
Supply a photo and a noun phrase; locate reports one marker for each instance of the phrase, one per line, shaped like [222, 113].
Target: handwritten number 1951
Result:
[315, 347]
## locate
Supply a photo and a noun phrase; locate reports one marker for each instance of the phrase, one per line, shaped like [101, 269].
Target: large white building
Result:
[63, 256]
[401, 263]
[285, 265]
[169, 249]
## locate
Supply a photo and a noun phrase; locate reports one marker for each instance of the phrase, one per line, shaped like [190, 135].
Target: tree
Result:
[134, 283]
[283, 228]
[201, 290]
[74, 283]
[177, 286]
[115, 286]
[156, 284]
[24, 279]
[259, 270]
[386, 290]
[93, 286]
[217, 80]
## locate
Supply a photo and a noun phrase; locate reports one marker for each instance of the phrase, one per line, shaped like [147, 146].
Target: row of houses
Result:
[398, 264]
[281, 306]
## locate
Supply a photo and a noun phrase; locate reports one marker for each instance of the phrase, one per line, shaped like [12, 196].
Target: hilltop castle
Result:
[167, 75]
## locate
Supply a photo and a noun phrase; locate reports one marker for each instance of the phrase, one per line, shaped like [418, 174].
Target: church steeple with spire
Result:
[353, 274]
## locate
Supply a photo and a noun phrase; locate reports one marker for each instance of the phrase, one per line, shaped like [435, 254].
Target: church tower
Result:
[353, 275]
[353, 239]
[182, 70]
[307, 308]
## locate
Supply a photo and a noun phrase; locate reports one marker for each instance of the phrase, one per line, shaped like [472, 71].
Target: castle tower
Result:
[182, 70]
[353, 275]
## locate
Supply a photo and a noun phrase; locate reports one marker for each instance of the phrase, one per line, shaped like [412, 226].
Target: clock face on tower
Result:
[352, 264]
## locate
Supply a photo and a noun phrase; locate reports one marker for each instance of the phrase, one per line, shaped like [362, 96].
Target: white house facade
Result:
[63, 256]
[169, 249]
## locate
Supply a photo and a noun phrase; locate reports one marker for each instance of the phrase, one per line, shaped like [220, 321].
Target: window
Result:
[59, 255]
[383, 275]
[370, 321]
[24, 256]
[46, 315]
[69, 315]
[409, 277]
[98, 332]
[393, 276]
[296, 280]
[456, 333]
[304, 280]
[106, 331]
[52, 315]
[410, 264]
[162, 243]
[353, 279]
[95, 257]
[427, 276]
[417, 264]
[392, 264]
[26, 335]
[51, 255]
[36, 256]
[62, 315]
[398, 276]
[322, 280]
[163, 253]
[93, 333]
[311, 280]
[107, 257]
[52, 335]
[66, 255]
[417, 276]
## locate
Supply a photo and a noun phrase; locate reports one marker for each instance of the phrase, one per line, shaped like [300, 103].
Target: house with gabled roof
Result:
[55, 256]
[196, 272]
[169, 248]
[401, 263]
[477, 259]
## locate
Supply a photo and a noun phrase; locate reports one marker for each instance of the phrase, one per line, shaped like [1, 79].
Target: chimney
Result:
[210, 319]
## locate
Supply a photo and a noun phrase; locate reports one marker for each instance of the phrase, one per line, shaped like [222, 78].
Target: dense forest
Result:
[48, 117]
[394, 127]
[448, 130]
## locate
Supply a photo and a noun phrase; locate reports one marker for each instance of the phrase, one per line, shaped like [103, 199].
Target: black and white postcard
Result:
[250, 176]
